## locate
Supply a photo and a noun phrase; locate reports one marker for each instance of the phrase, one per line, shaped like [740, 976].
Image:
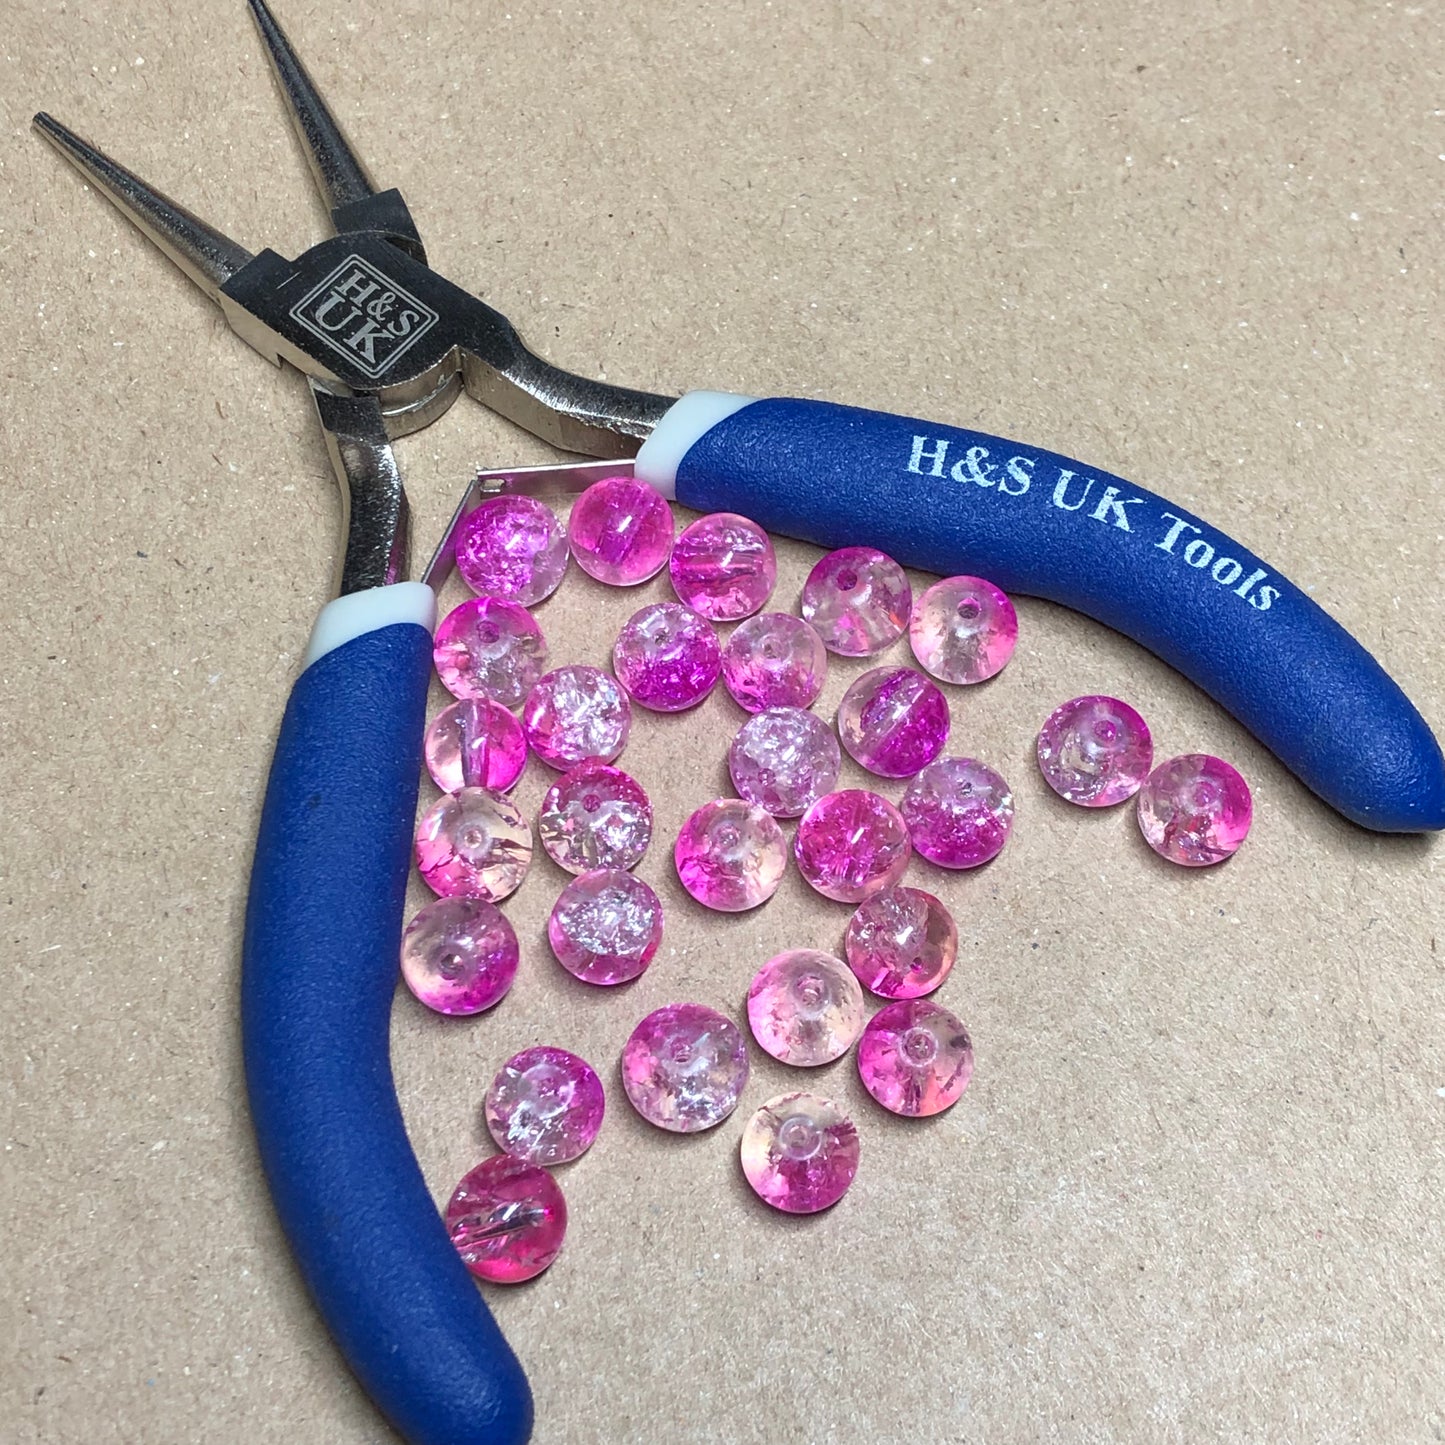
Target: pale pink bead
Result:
[851, 845]
[893, 721]
[684, 1067]
[774, 660]
[576, 713]
[606, 926]
[1095, 751]
[475, 743]
[1195, 810]
[512, 547]
[459, 955]
[783, 759]
[667, 657]
[731, 855]
[915, 1057]
[507, 1219]
[620, 531]
[473, 844]
[805, 1007]
[901, 943]
[595, 816]
[545, 1106]
[800, 1153]
[489, 648]
[959, 812]
[723, 566]
[858, 599]
[963, 629]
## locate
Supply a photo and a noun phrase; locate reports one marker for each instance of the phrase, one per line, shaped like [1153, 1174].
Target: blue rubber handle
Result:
[323, 926]
[952, 501]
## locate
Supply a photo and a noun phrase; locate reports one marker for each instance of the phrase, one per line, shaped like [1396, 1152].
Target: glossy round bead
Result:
[731, 855]
[1095, 751]
[512, 547]
[473, 844]
[723, 566]
[959, 812]
[901, 943]
[620, 531]
[915, 1057]
[507, 1219]
[893, 721]
[783, 759]
[858, 598]
[800, 1153]
[606, 926]
[575, 713]
[851, 845]
[1195, 810]
[684, 1067]
[667, 657]
[963, 629]
[805, 1007]
[475, 743]
[489, 648]
[595, 816]
[545, 1106]
[774, 660]
[459, 955]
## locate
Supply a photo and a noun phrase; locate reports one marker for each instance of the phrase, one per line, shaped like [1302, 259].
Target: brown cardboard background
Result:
[1195, 1188]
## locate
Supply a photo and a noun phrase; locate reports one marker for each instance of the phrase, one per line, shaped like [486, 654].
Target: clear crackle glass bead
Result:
[459, 955]
[684, 1067]
[783, 759]
[576, 713]
[723, 566]
[774, 660]
[475, 743]
[507, 1219]
[893, 721]
[667, 657]
[620, 531]
[963, 630]
[1195, 810]
[595, 816]
[852, 844]
[800, 1153]
[858, 599]
[512, 547]
[489, 648]
[1095, 751]
[915, 1057]
[731, 855]
[805, 1007]
[545, 1106]
[473, 844]
[901, 943]
[959, 812]
[606, 926]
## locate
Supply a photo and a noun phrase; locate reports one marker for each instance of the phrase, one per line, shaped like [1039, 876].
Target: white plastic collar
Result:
[682, 424]
[362, 612]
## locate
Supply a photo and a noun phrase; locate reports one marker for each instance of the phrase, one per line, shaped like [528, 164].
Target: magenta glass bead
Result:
[723, 566]
[805, 1007]
[507, 1219]
[959, 812]
[901, 943]
[459, 955]
[783, 759]
[800, 1153]
[667, 657]
[963, 629]
[851, 845]
[858, 599]
[1095, 751]
[489, 648]
[576, 713]
[512, 547]
[731, 855]
[475, 743]
[620, 531]
[473, 844]
[595, 816]
[893, 721]
[1195, 810]
[606, 926]
[774, 660]
[915, 1057]
[684, 1067]
[545, 1106]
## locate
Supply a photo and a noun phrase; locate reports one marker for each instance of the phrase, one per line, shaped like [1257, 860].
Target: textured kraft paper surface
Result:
[1194, 1191]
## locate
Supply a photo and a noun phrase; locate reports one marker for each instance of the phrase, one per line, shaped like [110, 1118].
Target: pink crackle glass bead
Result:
[774, 660]
[959, 812]
[606, 926]
[1195, 810]
[800, 1153]
[595, 816]
[901, 943]
[620, 531]
[858, 599]
[459, 955]
[1095, 751]
[731, 855]
[489, 648]
[805, 1007]
[473, 844]
[723, 566]
[963, 629]
[915, 1057]
[475, 743]
[507, 1219]
[684, 1067]
[545, 1106]
[576, 713]
[667, 657]
[783, 759]
[512, 547]
[851, 845]
[893, 721]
